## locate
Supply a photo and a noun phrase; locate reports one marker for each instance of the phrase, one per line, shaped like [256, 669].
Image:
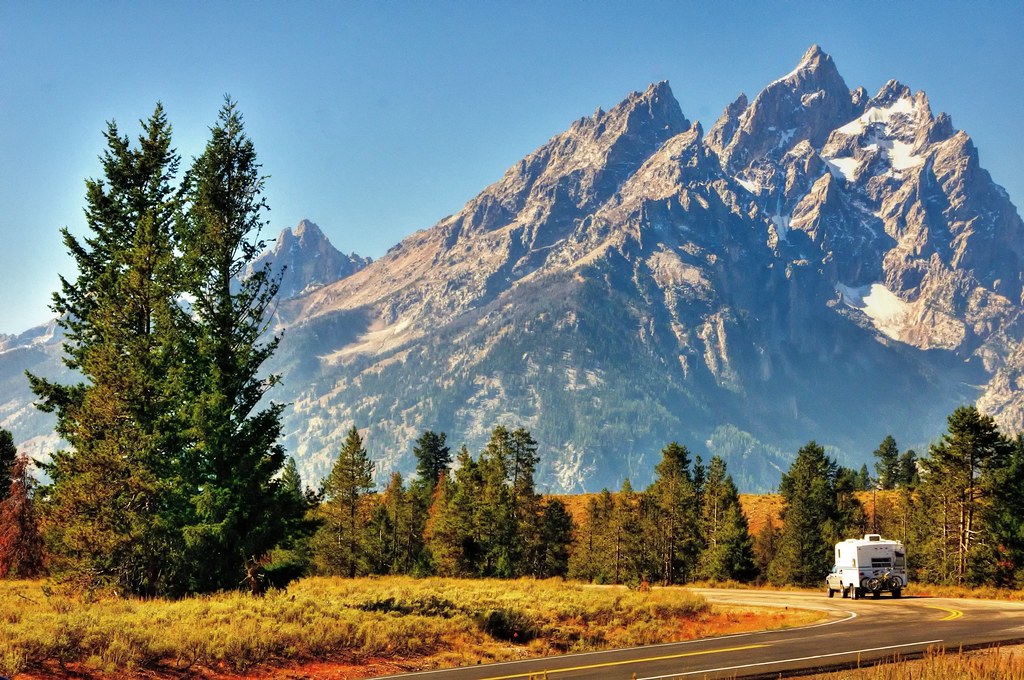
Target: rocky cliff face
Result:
[822, 264]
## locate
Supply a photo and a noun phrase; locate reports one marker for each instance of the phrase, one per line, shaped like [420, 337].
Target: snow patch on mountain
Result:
[888, 313]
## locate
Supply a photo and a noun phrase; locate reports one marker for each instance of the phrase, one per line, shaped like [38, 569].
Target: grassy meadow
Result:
[411, 623]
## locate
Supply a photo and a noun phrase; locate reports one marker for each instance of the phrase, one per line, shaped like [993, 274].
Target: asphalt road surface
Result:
[855, 631]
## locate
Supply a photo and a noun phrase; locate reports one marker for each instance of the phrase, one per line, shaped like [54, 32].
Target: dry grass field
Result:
[988, 664]
[324, 627]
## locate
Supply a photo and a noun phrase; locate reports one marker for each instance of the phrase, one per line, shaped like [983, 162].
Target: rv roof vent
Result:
[872, 537]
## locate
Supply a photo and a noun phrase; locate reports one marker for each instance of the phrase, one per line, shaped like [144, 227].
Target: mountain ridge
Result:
[820, 264]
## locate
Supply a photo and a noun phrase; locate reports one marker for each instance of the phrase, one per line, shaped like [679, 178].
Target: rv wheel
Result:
[897, 593]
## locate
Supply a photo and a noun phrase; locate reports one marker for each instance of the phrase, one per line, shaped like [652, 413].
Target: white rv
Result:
[868, 565]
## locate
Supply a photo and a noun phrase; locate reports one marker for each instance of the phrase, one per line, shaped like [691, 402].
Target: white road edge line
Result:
[802, 658]
[602, 652]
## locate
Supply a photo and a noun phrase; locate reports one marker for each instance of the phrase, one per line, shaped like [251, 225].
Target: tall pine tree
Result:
[112, 506]
[338, 545]
[674, 498]
[241, 510]
[728, 548]
[812, 518]
[960, 480]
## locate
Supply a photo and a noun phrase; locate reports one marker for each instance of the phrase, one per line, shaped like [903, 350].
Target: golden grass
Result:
[429, 622]
[988, 664]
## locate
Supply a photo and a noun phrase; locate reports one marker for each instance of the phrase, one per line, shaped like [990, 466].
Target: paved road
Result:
[855, 630]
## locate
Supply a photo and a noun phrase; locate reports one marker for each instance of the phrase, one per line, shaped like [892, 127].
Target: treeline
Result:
[482, 517]
[959, 510]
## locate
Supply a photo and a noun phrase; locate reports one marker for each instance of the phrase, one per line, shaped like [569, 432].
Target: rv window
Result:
[880, 562]
[901, 560]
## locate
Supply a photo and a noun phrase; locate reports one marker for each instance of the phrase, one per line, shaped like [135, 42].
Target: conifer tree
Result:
[112, 506]
[888, 466]
[1004, 519]
[556, 534]
[451, 533]
[638, 554]
[433, 459]
[8, 452]
[338, 545]
[241, 510]
[729, 550]
[382, 531]
[908, 474]
[675, 500]
[812, 518]
[496, 523]
[595, 555]
[442, 535]
[766, 547]
[961, 472]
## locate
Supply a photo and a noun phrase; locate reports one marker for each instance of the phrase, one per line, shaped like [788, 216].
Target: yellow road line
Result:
[543, 673]
[952, 613]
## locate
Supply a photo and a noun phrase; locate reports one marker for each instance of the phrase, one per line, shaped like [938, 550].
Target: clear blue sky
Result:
[375, 119]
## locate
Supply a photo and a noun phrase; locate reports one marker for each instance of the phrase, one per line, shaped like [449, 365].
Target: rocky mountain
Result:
[820, 264]
[305, 260]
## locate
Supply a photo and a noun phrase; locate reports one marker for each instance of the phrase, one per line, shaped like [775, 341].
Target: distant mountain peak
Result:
[306, 259]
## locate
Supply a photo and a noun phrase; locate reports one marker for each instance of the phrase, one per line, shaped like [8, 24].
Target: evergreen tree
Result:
[433, 458]
[241, 510]
[496, 523]
[294, 555]
[21, 545]
[961, 472]
[338, 545]
[1004, 518]
[383, 533]
[8, 453]
[556, 534]
[113, 506]
[908, 475]
[597, 550]
[812, 518]
[766, 547]
[452, 535]
[729, 550]
[636, 554]
[675, 500]
[888, 465]
[863, 479]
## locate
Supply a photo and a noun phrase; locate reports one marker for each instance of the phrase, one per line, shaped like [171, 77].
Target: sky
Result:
[377, 119]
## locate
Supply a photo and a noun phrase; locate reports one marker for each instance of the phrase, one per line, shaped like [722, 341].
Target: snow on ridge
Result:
[752, 187]
[843, 168]
[888, 313]
[901, 156]
[877, 114]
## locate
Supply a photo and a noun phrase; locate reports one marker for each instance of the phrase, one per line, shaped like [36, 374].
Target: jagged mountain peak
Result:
[805, 104]
[306, 259]
[815, 66]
